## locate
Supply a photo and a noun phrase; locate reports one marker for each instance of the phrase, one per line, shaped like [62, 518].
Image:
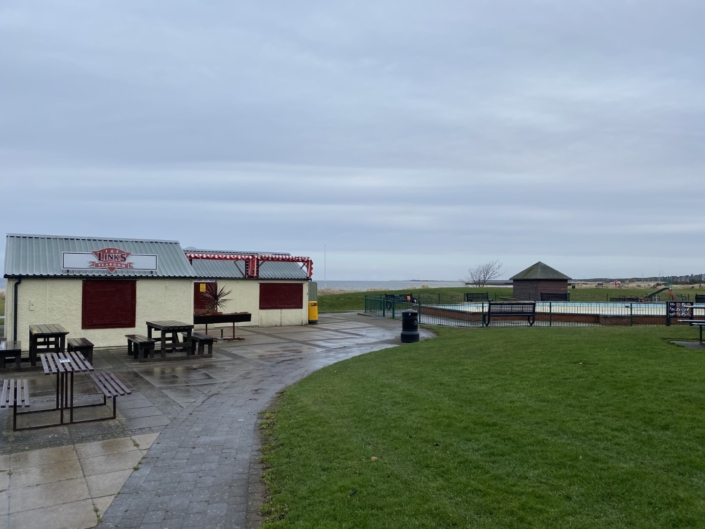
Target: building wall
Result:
[531, 290]
[244, 297]
[60, 301]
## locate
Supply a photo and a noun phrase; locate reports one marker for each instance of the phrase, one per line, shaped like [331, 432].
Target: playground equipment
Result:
[652, 295]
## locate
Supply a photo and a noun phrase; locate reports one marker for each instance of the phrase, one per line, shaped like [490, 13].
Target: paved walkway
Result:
[202, 470]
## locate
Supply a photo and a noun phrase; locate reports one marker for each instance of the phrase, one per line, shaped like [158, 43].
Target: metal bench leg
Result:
[71, 402]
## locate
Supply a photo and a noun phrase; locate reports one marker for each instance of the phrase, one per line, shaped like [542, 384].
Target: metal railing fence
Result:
[446, 309]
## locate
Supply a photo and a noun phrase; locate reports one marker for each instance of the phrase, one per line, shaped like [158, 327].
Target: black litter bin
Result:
[409, 326]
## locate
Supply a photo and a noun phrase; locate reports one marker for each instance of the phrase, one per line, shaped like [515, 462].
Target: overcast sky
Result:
[414, 139]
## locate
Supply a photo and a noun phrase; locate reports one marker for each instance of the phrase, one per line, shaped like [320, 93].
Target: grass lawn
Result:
[355, 301]
[503, 428]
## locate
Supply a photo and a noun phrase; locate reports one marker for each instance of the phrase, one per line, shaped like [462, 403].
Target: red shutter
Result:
[200, 302]
[281, 296]
[109, 304]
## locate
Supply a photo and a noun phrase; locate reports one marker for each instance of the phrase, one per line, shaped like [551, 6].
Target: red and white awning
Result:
[253, 261]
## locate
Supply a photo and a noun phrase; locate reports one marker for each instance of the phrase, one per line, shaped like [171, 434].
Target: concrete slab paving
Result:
[66, 487]
[185, 448]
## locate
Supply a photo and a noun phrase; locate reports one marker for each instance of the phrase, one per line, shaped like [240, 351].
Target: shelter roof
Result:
[214, 269]
[540, 271]
[43, 256]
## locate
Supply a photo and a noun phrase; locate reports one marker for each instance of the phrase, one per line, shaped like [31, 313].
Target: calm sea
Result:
[385, 285]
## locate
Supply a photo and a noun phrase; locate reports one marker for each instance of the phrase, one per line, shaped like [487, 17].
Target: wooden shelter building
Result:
[539, 279]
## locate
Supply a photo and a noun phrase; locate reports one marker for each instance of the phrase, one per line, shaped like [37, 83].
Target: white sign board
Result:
[109, 259]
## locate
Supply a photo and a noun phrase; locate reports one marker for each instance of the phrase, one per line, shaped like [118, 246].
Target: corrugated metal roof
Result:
[267, 270]
[209, 269]
[229, 252]
[276, 270]
[539, 271]
[41, 255]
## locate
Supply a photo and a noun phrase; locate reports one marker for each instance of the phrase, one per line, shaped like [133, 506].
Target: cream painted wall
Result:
[60, 300]
[244, 297]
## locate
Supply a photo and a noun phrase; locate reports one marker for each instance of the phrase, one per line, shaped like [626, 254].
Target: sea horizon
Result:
[361, 285]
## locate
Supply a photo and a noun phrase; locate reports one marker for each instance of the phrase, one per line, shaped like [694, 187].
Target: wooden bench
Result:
[391, 299]
[199, 341]
[15, 394]
[83, 346]
[507, 309]
[477, 296]
[549, 296]
[109, 386]
[625, 299]
[13, 350]
[139, 346]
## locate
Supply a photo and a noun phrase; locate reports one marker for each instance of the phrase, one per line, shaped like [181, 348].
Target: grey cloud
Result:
[459, 130]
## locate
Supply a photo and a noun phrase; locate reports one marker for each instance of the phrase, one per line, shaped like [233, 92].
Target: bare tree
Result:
[481, 274]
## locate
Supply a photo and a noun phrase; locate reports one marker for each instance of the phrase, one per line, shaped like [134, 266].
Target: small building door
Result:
[200, 303]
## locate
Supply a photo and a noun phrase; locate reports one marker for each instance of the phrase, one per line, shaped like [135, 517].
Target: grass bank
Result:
[502, 428]
[355, 301]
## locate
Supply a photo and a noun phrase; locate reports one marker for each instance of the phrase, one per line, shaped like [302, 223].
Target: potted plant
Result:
[215, 298]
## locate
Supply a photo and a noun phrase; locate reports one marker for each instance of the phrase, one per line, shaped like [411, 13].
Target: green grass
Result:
[355, 301]
[501, 428]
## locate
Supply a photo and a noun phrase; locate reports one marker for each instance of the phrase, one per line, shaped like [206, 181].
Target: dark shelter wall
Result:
[530, 290]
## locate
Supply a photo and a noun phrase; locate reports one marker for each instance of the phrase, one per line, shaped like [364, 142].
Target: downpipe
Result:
[14, 309]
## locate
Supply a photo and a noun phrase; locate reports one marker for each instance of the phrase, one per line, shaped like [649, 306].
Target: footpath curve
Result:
[203, 470]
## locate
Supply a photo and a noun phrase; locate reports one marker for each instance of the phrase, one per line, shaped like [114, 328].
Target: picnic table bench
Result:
[83, 346]
[15, 394]
[199, 342]
[139, 346]
[511, 309]
[11, 349]
[110, 387]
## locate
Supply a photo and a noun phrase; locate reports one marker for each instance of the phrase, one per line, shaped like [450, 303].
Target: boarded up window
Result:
[200, 302]
[109, 304]
[281, 296]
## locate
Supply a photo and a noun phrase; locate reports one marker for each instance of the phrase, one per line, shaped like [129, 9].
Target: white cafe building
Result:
[104, 288]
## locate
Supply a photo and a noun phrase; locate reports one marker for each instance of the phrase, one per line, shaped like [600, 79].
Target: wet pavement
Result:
[202, 469]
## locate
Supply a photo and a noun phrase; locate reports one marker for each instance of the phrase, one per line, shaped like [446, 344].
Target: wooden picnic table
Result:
[64, 365]
[49, 338]
[169, 334]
